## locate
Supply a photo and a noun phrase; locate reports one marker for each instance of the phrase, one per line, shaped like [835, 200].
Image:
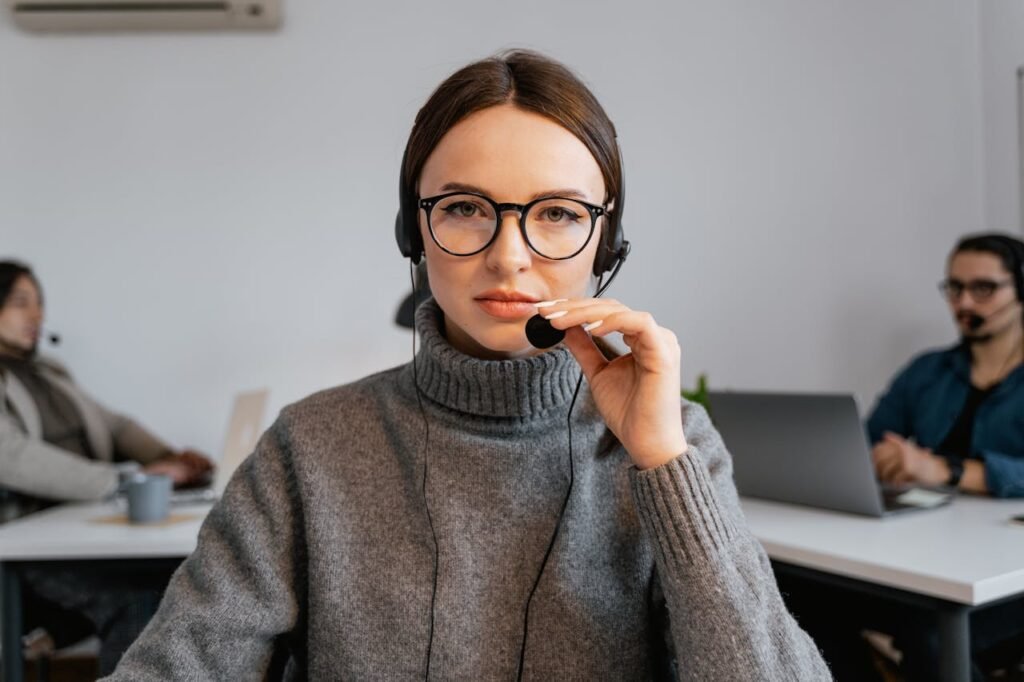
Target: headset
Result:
[1015, 248]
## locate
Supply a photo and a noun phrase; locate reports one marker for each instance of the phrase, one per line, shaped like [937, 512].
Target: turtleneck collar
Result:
[524, 387]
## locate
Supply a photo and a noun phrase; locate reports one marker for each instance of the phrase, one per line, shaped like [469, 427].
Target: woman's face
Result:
[1000, 308]
[511, 156]
[21, 318]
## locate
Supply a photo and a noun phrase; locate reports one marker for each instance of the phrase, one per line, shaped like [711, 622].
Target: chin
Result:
[487, 337]
[514, 344]
[973, 338]
[503, 340]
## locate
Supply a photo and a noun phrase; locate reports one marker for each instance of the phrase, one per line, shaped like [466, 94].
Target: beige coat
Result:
[32, 466]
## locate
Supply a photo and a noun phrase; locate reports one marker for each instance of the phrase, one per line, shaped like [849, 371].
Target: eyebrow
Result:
[566, 192]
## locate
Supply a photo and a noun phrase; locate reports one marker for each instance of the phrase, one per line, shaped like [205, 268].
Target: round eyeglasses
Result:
[464, 224]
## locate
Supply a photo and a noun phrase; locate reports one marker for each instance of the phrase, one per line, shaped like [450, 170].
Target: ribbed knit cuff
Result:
[679, 508]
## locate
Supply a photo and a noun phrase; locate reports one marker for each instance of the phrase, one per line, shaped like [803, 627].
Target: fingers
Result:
[176, 473]
[196, 461]
[883, 449]
[656, 348]
[896, 438]
[564, 314]
[891, 471]
[888, 464]
[586, 352]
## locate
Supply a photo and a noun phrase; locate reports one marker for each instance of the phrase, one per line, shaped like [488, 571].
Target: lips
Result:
[505, 295]
[507, 305]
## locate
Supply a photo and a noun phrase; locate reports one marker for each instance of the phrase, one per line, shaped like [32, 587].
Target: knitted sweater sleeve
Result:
[727, 619]
[235, 597]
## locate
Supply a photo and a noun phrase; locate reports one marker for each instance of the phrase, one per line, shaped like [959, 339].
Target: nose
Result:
[35, 315]
[509, 252]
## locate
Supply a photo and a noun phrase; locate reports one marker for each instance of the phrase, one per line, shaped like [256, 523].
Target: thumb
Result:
[893, 437]
[586, 352]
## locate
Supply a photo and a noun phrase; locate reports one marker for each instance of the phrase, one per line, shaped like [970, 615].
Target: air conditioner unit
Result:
[144, 15]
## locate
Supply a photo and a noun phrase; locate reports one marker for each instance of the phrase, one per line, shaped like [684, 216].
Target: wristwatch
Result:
[956, 472]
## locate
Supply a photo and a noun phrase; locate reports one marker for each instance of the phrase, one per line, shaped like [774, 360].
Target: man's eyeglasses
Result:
[556, 228]
[979, 289]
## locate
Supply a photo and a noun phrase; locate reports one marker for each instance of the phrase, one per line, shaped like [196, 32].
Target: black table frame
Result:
[951, 619]
[12, 619]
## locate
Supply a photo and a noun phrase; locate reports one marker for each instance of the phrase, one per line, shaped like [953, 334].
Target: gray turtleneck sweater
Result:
[322, 545]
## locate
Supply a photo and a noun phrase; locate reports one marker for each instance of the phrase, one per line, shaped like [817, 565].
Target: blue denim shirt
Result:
[928, 395]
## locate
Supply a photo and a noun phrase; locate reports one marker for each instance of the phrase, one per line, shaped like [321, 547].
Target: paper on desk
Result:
[919, 497]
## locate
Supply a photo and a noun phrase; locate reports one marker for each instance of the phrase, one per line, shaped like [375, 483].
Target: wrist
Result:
[954, 472]
[654, 459]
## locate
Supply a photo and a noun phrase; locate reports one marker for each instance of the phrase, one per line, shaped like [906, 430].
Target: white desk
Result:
[952, 559]
[80, 532]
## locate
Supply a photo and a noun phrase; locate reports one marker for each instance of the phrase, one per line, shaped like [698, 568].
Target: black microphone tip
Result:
[541, 334]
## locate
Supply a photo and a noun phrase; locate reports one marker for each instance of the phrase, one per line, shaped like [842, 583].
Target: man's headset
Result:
[610, 255]
[1015, 248]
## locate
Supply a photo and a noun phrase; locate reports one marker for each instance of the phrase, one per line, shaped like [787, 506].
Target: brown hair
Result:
[531, 82]
[10, 272]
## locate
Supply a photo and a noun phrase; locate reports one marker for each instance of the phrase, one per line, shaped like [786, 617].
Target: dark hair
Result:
[531, 82]
[1009, 250]
[10, 272]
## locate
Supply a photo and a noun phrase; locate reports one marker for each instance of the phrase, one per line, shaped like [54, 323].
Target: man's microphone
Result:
[976, 321]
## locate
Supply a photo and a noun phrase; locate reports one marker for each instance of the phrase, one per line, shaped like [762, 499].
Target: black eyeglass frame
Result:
[595, 212]
[947, 286]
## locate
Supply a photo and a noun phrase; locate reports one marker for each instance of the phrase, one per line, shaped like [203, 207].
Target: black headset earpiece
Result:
[614, 247]
[1017, 248]
[407, 226]
[405, 245]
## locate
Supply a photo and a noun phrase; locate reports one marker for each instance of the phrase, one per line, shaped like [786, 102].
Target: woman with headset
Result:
[59, 444]
[492, 510]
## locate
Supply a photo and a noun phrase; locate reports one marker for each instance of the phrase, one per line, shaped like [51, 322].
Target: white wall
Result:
[214, 212]
[1002, 53]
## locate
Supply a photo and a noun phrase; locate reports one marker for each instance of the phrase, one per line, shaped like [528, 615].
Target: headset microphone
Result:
[53, 338]
[539, 331]
[541, 334]
[976, 321]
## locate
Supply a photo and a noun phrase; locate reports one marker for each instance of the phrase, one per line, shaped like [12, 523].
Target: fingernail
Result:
[592, 325]
[545, 304]
[555, 316]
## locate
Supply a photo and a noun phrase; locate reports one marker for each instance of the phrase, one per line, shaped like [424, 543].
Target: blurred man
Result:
[953, 417]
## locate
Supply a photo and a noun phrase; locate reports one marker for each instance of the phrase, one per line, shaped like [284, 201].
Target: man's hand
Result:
[899, 461]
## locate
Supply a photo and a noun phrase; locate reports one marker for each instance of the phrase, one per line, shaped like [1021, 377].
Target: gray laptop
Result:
[243, 433]
[808, 449]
